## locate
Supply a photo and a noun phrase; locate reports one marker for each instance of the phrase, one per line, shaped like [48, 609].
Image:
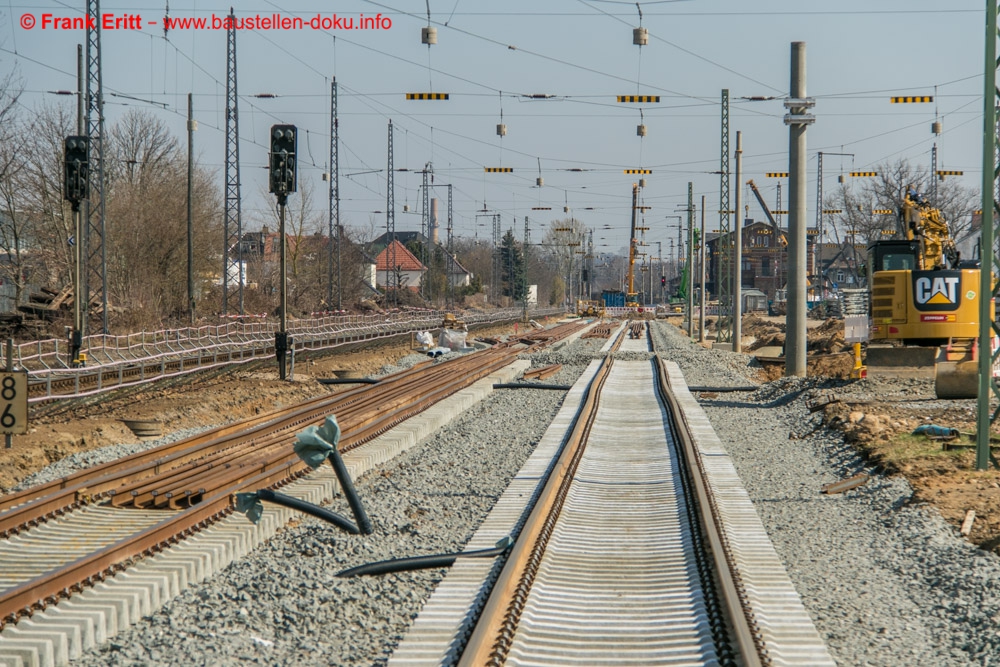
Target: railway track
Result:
[60, 538]
[126, 363]
[634, 543]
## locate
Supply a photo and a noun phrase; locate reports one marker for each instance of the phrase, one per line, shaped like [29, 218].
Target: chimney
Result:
[434, 221]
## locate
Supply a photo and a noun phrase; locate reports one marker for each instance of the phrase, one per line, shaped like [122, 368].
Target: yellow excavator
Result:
[925, 298]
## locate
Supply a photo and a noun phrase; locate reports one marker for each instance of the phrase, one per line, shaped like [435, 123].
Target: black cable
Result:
[424, 562]
[308, 508]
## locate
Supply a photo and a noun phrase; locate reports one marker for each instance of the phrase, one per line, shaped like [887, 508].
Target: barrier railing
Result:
[113, 362]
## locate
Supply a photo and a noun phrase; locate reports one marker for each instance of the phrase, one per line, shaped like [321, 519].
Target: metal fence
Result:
[114, 362]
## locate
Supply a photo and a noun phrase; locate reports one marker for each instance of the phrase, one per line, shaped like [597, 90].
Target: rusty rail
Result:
[201, 473]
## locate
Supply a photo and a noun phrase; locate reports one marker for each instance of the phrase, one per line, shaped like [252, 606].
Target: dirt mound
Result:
[827, 338]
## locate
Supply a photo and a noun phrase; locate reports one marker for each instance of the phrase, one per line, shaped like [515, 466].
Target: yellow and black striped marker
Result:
[912, 99]
[427, 96]
[639, 99]
[498, 170]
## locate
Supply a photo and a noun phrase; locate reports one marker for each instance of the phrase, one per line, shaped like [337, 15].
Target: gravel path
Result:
[886, 581]
[284, 606]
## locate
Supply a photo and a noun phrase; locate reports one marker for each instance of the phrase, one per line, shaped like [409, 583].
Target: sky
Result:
[492, 57]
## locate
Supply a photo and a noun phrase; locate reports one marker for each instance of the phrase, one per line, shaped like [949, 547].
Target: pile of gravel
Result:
[283, 604]
[887, 581]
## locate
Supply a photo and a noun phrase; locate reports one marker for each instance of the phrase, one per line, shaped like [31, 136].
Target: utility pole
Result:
[777, 242]
[95, 253]
[451, 255]
[723, 285]
[498, 262]
[738, 251]
[391, 284]
[988, 235]
[232, 249]
[425, 219]
[192, 125]
[820, 226]
[630, 295]
[80, 295]
[334, 203]
[701, 275]
[524, 273]
[690, 260]
[797, 120]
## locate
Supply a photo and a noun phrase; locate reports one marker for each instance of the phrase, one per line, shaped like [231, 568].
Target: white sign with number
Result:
[14, 403]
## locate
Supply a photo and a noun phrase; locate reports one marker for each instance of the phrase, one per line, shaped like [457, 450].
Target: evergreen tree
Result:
[512, 267]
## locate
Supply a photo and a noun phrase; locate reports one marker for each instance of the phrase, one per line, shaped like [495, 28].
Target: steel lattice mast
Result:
[390, 222]
[232, 252]
[95, 254]
[987, 242]
[724, 271]
[334, 203]
[451, 253]
[425, 221]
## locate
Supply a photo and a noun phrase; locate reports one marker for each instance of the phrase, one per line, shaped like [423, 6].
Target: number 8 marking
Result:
[8, 392]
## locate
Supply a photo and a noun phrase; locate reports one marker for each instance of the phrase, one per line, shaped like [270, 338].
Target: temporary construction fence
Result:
[114, 362]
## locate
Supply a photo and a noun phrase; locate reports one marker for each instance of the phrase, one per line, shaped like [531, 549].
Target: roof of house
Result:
[404, 259]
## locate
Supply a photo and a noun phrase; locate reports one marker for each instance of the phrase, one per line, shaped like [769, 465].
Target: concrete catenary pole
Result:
[738, 251]
[797, 120]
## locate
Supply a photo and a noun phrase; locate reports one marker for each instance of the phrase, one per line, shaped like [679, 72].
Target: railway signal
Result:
[77, 170]
[76, 188]
[283, 183]
[282, 164]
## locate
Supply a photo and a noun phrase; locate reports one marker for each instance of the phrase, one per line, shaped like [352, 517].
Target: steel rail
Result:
[217, 502]
[495, 627]
[742, 634]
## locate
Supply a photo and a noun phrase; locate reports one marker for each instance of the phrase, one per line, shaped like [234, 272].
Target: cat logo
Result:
[937, 290]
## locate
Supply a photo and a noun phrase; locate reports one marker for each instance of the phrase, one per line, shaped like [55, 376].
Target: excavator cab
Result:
[919, 308]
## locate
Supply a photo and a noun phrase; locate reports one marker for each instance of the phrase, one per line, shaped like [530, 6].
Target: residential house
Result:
[458, 275]
[394, 263]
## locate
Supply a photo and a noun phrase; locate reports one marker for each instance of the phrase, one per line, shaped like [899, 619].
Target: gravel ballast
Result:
[284, 606]
[887, 582]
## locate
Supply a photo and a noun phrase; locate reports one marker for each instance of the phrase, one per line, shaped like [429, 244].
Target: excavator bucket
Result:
[956, 373]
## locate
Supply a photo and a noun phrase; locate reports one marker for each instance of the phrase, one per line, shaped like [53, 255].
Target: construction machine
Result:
[923, 295]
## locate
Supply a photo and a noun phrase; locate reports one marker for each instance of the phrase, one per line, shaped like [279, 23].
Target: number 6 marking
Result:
[7, 419]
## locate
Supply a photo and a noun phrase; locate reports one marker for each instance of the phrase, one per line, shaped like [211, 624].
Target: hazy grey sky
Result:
[491, 55]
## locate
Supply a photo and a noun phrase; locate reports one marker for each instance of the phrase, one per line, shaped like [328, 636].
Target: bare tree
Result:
[859, 205]
[146, 220]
